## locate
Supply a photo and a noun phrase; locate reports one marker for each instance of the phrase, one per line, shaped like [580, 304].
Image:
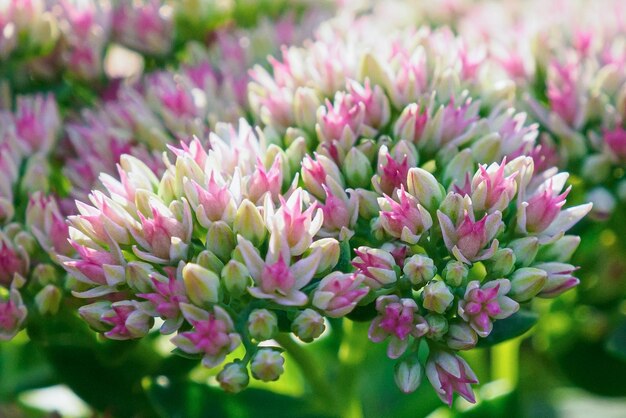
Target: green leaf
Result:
[179, 398]
[616, 343]
[509, 328]
[345, 257]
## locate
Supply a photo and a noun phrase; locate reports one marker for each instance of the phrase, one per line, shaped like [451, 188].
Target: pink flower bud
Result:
[145, 26]
[298, 226]
[392, 175]
[166, 295]
[397, 319]
[492, 191]
[376, 265]
[467, 240]
[265, 181]
[340, 211]
[125, 321]
[338, 293]
[12, 314]
[449, 373]
[376, 104]
[12, 261]
[275, 278]
[212, 334]
[560, 279]
[616, 142]
[314, 174]
[45, 220]
[411, 123]
[406, 219]
[341, 121]
[481, 305]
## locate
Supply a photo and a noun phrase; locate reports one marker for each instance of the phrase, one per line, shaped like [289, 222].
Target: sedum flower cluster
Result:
[50, 156]
[375, 188]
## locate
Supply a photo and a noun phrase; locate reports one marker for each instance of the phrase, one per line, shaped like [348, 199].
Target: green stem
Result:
[310, 370]
[351, 355]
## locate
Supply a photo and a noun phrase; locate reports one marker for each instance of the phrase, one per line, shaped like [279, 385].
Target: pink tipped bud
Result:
[448, 374]
[411, 123]
[616, 142]
[406, 219]
[12, 314]
[212, 334]
[483, 304]
[267, 365]
[377, 265]
[560, 279]
[338, 293]
[397, 319]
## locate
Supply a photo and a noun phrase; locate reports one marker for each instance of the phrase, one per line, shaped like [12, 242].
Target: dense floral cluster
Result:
[40, 179]
[382, 188]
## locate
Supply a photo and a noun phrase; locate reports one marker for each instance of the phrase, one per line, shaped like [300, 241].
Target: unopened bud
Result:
[425, 187]
[234, 377]
[357, 169]
[437, 297]
[437, 326]
[408, 375]
[202, 285]
[236, 278]
[262, 324]
[308, 325]
[502, 262]
[220, 240]
[419, 269]
[461, 337]
[525, 250]
[526, 283]
[249, 223]
[267, 365]
[48, 300]
[455, 273]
